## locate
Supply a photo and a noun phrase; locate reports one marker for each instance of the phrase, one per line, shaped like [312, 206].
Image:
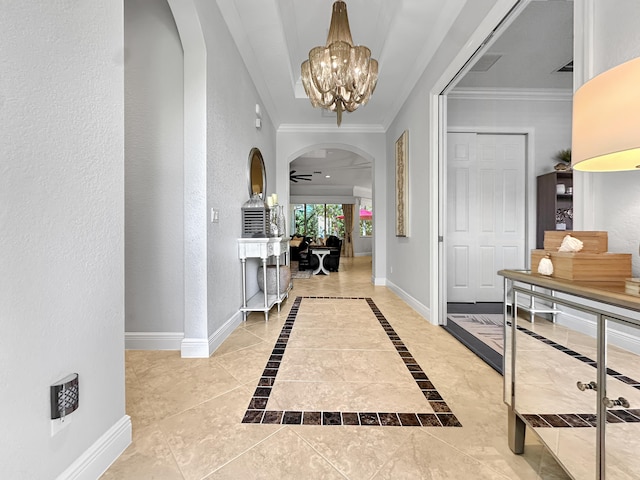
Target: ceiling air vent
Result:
[566, 68]
[485, 62]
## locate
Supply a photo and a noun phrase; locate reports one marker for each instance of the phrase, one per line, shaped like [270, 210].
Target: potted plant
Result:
[563, 157]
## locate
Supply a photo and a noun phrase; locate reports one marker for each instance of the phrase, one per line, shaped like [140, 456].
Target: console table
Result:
[576, 382]
[320, 253]
[265, 249]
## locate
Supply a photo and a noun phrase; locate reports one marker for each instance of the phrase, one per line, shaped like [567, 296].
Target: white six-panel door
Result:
[485, 213]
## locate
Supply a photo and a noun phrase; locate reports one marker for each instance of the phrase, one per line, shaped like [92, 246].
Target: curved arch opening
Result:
[330, 185]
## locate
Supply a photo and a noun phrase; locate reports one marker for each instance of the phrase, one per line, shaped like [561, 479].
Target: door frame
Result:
[498, 19]
[529, 188]
[583, 27]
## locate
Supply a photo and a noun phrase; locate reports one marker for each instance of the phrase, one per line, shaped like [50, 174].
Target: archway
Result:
[332, 173]
[333, 177]
[195, 342]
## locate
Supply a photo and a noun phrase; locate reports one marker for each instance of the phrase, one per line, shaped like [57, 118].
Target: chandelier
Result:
[339, 77]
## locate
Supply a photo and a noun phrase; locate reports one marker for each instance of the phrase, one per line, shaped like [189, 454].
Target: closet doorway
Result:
[486, 213]
[513, 95]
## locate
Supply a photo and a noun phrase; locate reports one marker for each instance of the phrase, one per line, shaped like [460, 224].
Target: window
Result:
[319, 220]
[366, 218]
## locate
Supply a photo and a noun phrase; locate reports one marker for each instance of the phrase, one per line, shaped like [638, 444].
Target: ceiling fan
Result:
[300, 176]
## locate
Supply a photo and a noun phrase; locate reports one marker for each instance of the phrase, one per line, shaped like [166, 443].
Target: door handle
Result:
[620, 402]
[587, 386]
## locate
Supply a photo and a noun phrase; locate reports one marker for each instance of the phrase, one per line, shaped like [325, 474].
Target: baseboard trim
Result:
[624, 340]
[220, 335]
[589, 327]
[97, 458]
[194, 348]
[582, 325]
[203, 347]
[422, 309]
[153, 340]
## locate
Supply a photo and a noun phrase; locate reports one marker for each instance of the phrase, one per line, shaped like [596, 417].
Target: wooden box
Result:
[632, 286]
[593, 241]
[586, 267]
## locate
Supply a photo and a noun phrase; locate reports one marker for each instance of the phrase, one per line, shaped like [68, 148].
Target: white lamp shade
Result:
[606, 121]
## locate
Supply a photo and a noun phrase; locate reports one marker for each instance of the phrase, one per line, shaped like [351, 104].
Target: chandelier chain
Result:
[339, 76]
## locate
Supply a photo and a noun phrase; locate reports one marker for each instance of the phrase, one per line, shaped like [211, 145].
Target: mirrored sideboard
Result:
[574, 377]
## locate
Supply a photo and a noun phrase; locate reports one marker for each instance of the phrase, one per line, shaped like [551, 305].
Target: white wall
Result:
[410, 258]
[547, 117]
[62, 234]
[231, 133]
[154, 185]
[362, 246]
[615, 196]
[177, 176]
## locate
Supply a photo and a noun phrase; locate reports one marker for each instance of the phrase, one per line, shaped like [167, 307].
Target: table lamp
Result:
[606, 121]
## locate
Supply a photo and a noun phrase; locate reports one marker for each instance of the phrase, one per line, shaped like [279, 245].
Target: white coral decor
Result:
[570, 244]
[545, 267]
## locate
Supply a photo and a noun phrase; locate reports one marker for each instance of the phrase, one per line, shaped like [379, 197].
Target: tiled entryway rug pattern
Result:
[304, 387]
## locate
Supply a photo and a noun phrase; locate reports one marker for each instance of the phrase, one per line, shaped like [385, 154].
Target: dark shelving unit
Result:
[549, 202]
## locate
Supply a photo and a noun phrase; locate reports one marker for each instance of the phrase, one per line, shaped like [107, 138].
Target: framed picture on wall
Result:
[402, 185]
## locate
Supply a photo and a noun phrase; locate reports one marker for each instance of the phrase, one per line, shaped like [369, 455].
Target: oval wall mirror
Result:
[257, 174]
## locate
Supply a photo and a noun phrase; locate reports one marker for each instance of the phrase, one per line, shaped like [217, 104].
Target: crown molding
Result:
[315, 128]
[522, 94]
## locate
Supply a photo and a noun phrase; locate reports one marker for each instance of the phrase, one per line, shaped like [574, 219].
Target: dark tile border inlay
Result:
[566, 350]
[257, 410]
[572, 420]
[578, 420]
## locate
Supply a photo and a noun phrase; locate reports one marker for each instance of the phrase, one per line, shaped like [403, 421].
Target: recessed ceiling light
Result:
[327, 176]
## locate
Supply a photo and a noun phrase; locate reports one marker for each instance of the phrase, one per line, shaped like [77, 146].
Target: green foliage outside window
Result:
[319, 220]
[366, 226]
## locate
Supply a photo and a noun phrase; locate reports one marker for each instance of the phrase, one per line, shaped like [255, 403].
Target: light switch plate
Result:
[215, 215]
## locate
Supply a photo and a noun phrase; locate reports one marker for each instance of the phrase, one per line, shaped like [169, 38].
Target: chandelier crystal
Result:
[339, 76]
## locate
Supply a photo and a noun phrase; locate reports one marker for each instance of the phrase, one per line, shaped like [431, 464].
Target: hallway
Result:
[320, 391]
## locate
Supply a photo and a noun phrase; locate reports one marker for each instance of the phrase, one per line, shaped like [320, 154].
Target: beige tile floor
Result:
[187, 413]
